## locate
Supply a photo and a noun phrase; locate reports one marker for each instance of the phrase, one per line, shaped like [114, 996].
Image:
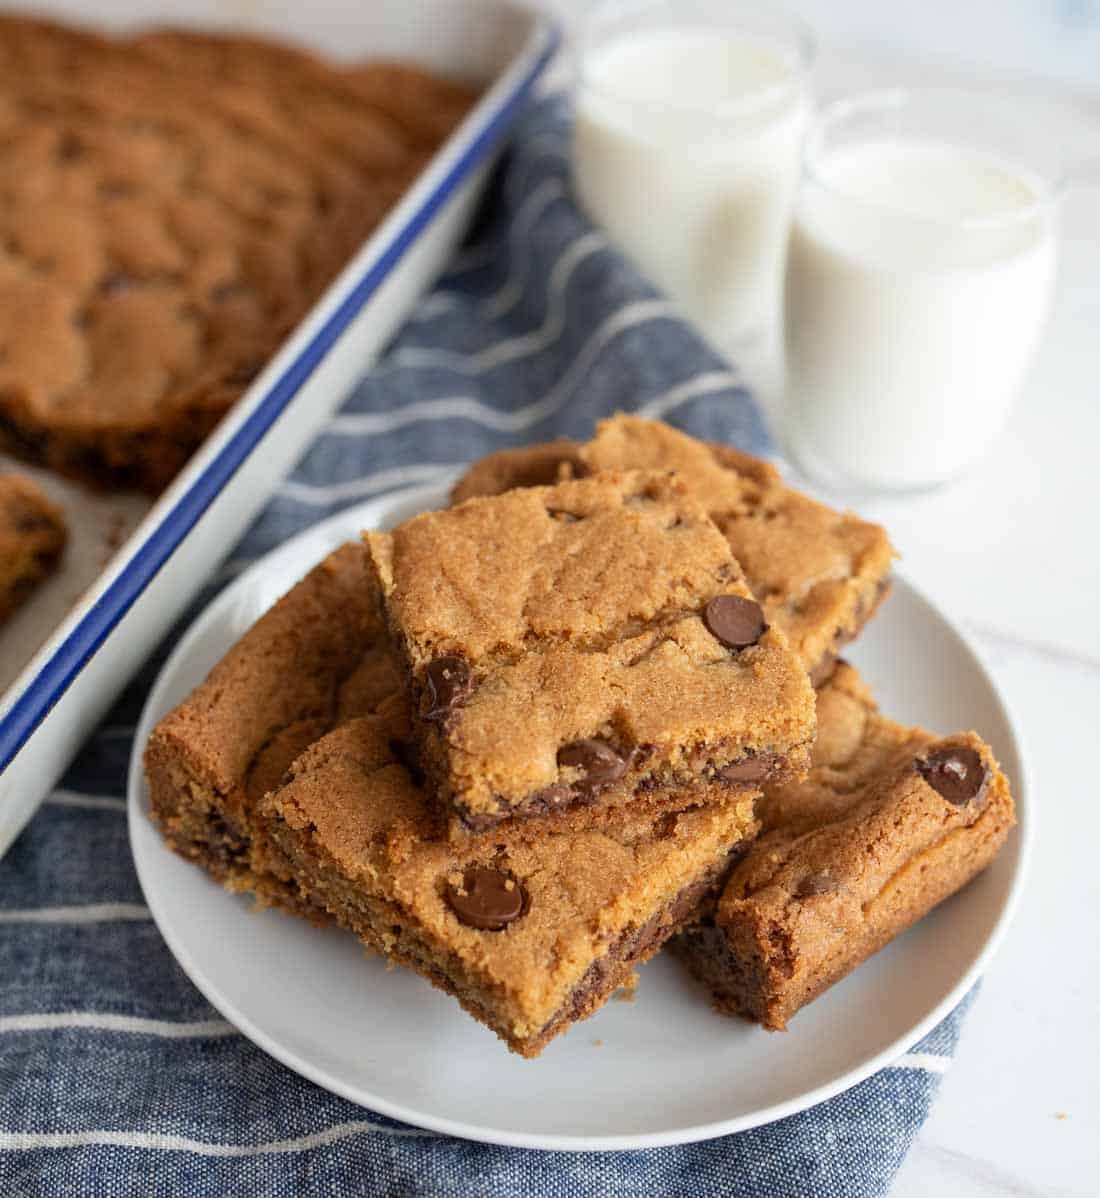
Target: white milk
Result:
[918, 278]
[686, 151]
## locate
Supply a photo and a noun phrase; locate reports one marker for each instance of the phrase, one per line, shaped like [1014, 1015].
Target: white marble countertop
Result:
[1013, 552]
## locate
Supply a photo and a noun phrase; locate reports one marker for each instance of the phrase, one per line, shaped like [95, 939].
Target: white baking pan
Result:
[59, 696]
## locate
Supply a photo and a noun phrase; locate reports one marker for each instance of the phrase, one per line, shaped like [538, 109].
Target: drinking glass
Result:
[690, 116]
[919, 275]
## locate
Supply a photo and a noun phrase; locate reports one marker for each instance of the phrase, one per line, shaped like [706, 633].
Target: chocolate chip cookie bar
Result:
[529, 935]
[588, 644]
[32, 538]
[317, 658]
[173, 205]
[819, 574]
[890, 822]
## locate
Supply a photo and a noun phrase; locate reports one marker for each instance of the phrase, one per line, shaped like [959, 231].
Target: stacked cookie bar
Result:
[894, 818]
[519, 744]
[587, 645]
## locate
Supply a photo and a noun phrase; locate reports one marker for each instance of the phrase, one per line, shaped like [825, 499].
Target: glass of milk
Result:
[690, 116]
[919, 275]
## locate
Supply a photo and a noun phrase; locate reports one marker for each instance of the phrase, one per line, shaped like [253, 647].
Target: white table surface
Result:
[1013, 552]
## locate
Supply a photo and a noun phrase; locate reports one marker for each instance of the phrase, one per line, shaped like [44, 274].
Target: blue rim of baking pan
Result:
[78, 648]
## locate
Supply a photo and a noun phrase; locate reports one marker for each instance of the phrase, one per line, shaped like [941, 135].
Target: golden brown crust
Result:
[354, 833]
[317, 657]
[578, 612]
[854, 856]
[172, 205]
[32, 538]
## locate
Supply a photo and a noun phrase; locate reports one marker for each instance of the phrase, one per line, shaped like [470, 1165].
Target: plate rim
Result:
[137, 810]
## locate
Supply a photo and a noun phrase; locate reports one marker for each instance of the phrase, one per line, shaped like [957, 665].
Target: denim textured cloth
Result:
[116, 1077]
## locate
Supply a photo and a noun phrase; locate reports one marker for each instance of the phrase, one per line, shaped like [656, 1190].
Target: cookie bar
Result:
[317, 658]
[586, 644]
[529, 936]
[32, 538]
[819, 574]
[890, 822]
[173, 205]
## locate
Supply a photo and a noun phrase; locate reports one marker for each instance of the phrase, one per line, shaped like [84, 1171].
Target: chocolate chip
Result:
[488, 899]
[754, 768]
[448, 684]
[813, 884]
[734, 621]
[598, 762]
[956, 772]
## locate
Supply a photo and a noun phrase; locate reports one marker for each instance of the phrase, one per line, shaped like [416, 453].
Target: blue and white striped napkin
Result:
[116, 1077]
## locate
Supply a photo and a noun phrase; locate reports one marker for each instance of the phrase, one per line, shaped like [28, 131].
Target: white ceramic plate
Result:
[663, 1069]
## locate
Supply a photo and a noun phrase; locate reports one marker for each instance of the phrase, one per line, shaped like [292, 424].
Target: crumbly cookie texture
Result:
[819, 574]
[586, 644]
[32, 538]
[317, 658]
[529, 936]
[173, 203]
[890, 822]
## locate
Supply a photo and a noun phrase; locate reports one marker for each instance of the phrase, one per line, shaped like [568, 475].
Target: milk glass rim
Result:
[801, 39]
[1047, 185]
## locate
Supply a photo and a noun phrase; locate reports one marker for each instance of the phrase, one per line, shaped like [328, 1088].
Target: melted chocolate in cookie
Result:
[735, 621]
[956, 772]
[488, 899]
[448, 684]
[598, 761]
